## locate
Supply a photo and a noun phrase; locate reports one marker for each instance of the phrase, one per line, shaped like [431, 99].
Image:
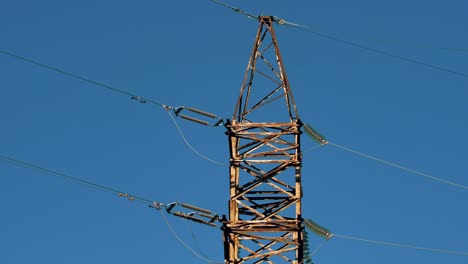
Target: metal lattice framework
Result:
[265, 223]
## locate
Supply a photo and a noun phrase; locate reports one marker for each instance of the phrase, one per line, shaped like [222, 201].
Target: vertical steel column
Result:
[265, 223]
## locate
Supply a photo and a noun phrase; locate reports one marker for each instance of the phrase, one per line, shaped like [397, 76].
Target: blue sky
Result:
[194, 53]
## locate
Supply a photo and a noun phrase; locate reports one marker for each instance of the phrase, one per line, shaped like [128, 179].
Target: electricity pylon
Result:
[265, 219]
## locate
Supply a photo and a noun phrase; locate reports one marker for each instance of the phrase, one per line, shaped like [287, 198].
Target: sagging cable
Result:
[317, 229]
[315, 135]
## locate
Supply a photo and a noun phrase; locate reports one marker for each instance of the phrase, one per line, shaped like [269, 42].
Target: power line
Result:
[314, 148]
[76, 180]
[347, 42]
[385, 53]
[308, 29]
[311, 225]
[133, 96]
[326, 142]
[102, 85]
[400, 167]
[416, 45]
[179, 129]
[150, 202]
[141, 99]
[396, 42]
[106, 189]
[402, 245]
[186, 141]
[219, 120]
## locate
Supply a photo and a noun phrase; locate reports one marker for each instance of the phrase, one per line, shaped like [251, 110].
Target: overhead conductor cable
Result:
[317, 137]
[188, 143]
[308, 29]
[77, 180]
[132, 96]
[402, 246]
[400, 167]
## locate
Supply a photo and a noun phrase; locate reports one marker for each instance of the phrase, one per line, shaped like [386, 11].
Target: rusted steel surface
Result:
[266, 61]
[265, 222]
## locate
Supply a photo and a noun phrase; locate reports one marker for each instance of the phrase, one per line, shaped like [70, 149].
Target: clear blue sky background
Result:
[194, 53]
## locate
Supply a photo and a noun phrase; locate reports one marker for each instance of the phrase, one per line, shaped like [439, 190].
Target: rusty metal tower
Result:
[265, 222]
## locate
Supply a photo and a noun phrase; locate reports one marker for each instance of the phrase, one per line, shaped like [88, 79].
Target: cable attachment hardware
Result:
[157, 205]
[196, 214]
[278, 20]
[167, 107]
[129, 197]
[139, 99]
[314, 134]
[218, 120]
[317, 229]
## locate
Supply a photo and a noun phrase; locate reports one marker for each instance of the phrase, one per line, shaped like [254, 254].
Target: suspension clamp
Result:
[129, 197]
[139, 99]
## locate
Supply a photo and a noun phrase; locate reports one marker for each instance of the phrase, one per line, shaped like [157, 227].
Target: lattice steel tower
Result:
[265, 223]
